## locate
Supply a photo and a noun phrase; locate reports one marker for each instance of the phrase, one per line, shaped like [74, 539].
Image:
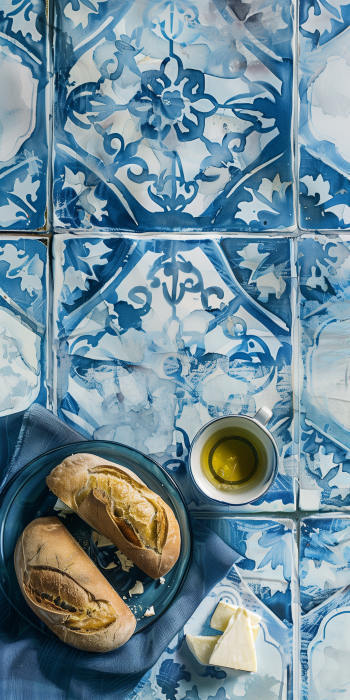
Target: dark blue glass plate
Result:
[27, 497]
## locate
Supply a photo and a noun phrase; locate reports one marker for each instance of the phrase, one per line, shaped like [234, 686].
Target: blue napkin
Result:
[36, 667]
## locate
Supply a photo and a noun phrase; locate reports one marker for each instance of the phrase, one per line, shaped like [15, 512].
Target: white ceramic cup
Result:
[245, 493]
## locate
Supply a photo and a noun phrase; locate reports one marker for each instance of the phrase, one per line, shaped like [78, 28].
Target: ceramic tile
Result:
[324, 271]
[178, 675]
[23, 142]
[325, 600]
[324, 114]
[324, 558]
[155, 337]
[23, 319]
[174, 115]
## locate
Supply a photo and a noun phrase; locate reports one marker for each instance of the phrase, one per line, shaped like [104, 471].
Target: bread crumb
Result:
[138, 588]
[103, 541]
[149, 612]
[125, 562]
[112, 565]
[100, 540]
[162, 580]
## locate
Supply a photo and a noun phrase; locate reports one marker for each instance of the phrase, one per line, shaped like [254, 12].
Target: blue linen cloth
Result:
[36, 667]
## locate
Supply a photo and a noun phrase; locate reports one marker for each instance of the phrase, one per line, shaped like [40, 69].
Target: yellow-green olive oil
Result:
[233, 458]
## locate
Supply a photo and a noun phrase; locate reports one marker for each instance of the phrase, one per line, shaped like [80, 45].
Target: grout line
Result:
[49, 103]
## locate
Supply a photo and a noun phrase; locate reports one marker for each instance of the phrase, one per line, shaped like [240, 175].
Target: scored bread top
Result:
[67, 591]
[117, 503]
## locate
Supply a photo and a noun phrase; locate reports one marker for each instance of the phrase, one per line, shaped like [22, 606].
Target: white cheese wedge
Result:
[202, 647]
[235, 648]
[223, 613]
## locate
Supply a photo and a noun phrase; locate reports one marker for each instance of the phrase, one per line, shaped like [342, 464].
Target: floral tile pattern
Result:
[324, 134]
[23, 142]
[324, 275]
[178, 676]
[325, 602]
[155, 337]
[173, 115]
[23, 322]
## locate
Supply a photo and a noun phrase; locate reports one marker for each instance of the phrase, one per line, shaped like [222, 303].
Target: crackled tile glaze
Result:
[324, 123]
[324, 275]
[23, 143]
[177, 674]
[324, 558]
[157, 337]
[325, 604]
[23, 328]
[174, 115]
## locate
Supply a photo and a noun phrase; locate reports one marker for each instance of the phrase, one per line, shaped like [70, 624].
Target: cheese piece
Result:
[223, 613]
[149, 612]
[235, 648]
[202, 647]
[62, 508]
[137, 589]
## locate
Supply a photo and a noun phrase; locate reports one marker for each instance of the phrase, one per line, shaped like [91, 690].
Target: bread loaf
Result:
[66, 590]
[120, 506]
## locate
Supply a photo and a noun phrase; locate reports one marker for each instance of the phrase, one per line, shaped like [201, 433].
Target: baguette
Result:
[66, 590]
[114, 501]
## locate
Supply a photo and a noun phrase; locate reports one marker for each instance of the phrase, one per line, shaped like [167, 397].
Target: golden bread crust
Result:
[67, 591]
[114, 501]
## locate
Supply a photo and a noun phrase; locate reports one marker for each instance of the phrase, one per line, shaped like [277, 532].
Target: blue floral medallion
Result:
[156, 337]
[173, 116]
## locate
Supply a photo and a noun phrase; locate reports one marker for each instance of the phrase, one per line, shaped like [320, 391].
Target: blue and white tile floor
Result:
[324, 135]
[23, 331]
[264, 581]
[174, 116]
[325, 606]
[324, 277]
[177, 119]
[155, 337]
[23, 115]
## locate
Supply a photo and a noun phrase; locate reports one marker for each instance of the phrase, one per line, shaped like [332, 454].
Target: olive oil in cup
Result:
[234, 459]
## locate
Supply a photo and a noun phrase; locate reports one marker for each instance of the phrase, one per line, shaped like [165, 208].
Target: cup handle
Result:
[263, 415]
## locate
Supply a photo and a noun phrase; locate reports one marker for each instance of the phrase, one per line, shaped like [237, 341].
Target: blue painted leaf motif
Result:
[219, 695]
[191, 694]
[22, 325]
[214, 672]
[168, 678]
[23, 17]
[277, 555]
